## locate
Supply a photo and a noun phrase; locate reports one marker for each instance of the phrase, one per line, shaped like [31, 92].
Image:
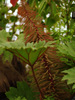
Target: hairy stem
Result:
[37, 83]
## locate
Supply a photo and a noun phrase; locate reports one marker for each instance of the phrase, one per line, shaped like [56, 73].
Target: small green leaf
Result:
[70, 77]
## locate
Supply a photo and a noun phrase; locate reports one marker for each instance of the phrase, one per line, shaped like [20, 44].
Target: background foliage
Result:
[47, 64]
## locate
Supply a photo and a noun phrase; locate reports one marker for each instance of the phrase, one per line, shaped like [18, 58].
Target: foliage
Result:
[3, 36]
[32, 27]
[68, 48]
[24, 52]
[35, 46]
[46, 7]
[59, 21]
[21, 92]
[70, 76]
[7, 56]
[3, 11]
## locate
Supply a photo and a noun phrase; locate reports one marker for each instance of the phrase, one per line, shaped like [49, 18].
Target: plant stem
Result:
[37, 83]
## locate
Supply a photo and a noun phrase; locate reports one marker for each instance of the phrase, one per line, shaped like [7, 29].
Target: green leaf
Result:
[13, 18]
[22, 91]
[73, 86]
[53, 8]
[68, 49]
[1, 51]
[70, 77]
[29, 52]
[33, 56]
[3, 36]
[50, 22]
[40, 44]
[7, 56]
[42, 6]
[23, 53]
[4, 9]
[71, 51]
[36, 2]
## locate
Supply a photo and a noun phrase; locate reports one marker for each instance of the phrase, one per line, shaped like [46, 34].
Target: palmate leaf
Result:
[29, 52]
[21, 92]
[68, 48]
[70, 77]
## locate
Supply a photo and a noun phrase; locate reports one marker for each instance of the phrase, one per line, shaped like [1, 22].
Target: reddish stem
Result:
[37, 83]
